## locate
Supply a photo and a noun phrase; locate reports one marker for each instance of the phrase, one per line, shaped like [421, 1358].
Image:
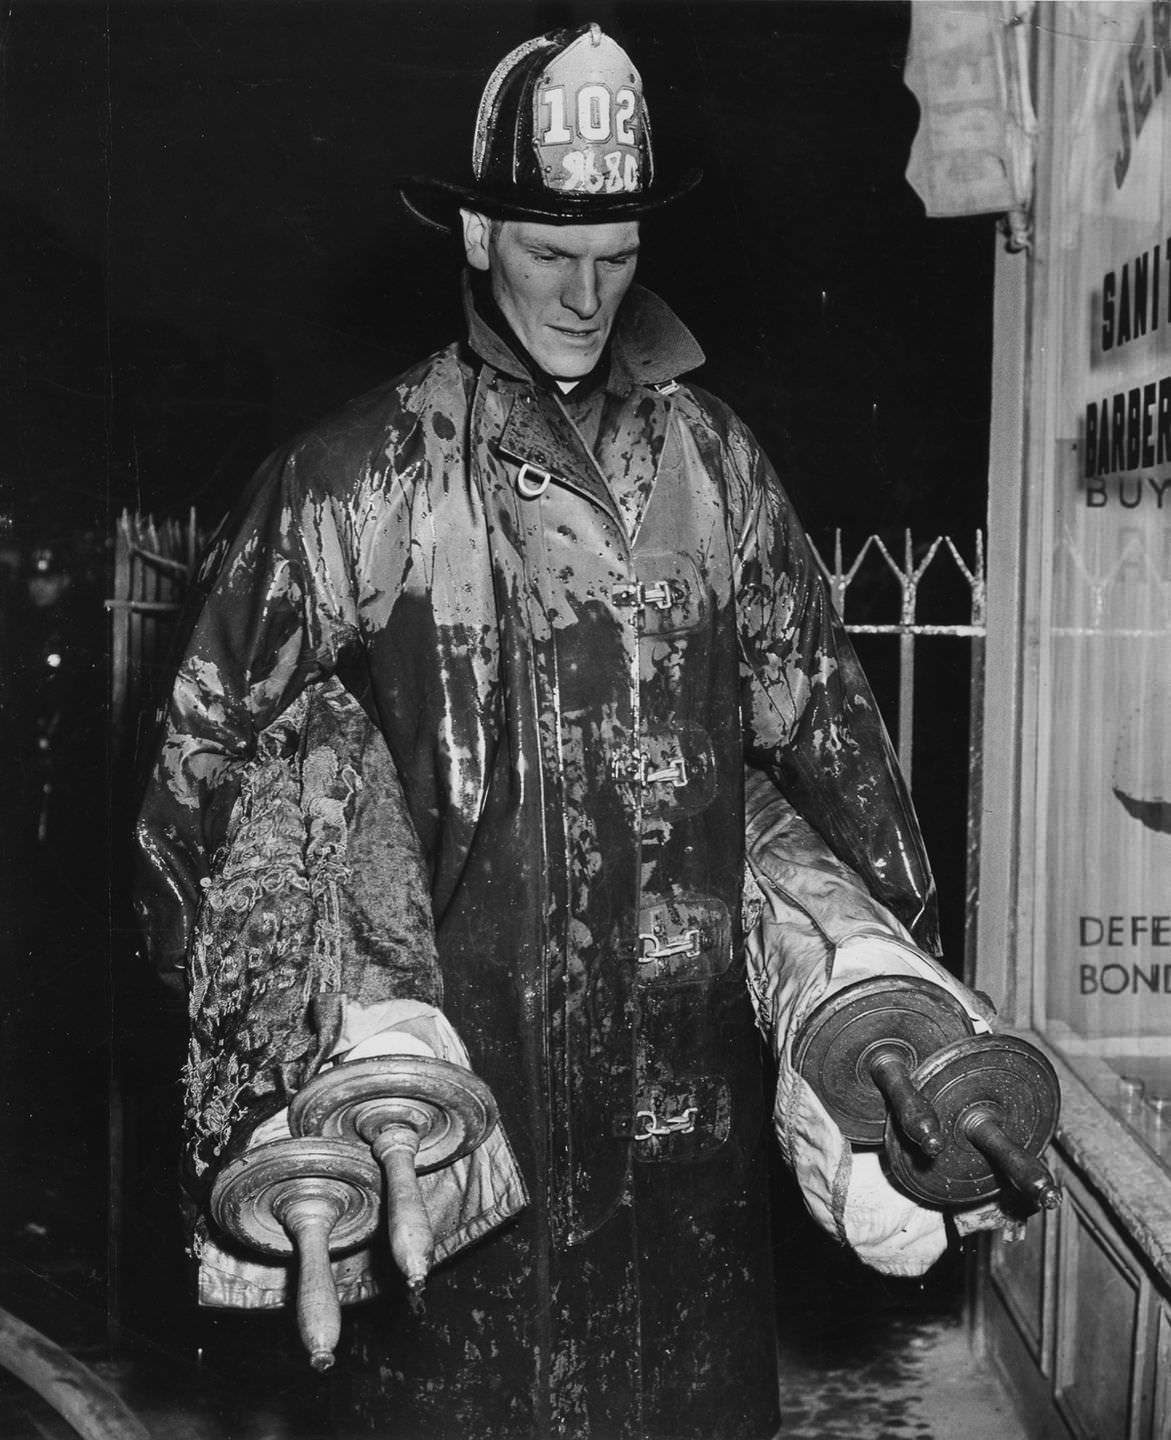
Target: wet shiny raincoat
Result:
[571, 650]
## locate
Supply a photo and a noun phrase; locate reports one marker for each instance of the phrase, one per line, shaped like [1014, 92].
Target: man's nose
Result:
[581, 292]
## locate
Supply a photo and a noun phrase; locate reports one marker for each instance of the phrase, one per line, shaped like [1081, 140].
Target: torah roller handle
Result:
[417, 1114]
[998, 1100]
[313, 1197]
[858, 1049]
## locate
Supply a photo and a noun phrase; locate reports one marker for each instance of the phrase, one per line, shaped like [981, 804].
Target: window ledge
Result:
[1127, 1177]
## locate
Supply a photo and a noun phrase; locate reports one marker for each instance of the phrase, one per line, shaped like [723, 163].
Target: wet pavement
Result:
[927, 1387]
[865, 1357]
[862, 1357]
[920, 1382]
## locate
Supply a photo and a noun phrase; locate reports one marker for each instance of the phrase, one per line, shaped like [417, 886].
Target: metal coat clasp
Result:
[661, 596]
[648, 1125]
[633, 766]
[653, 945]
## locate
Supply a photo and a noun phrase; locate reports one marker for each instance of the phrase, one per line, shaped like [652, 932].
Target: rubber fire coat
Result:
[571, 650]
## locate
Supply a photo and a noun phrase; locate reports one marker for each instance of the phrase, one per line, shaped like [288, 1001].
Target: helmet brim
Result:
[435, 202]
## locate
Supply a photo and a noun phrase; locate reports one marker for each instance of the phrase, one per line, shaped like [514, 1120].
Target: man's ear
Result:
[476, 233]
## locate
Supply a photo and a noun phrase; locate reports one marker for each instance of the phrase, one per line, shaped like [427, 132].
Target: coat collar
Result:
[650, 344]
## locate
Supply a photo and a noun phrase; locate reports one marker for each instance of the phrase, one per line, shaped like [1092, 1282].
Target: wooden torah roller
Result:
[417, 1114]
[997, 1100]
[313, 1197]
[858, 1048]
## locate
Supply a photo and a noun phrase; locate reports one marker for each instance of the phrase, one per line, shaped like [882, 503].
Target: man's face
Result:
[558, 286]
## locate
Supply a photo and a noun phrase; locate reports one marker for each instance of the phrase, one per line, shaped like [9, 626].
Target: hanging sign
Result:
[967, 66]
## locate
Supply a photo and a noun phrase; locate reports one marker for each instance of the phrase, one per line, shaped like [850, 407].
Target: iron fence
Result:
[153, 565]
[909, 575]
[937, 560]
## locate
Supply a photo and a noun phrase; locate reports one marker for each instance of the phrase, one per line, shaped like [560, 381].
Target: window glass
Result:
[1104, 768]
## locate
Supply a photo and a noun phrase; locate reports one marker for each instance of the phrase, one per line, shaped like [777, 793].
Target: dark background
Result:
[202, 251]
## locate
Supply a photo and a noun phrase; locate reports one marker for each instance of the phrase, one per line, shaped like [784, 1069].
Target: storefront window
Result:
[1103, 841]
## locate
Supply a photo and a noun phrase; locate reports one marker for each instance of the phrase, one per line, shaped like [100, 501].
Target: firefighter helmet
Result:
[562, 136]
